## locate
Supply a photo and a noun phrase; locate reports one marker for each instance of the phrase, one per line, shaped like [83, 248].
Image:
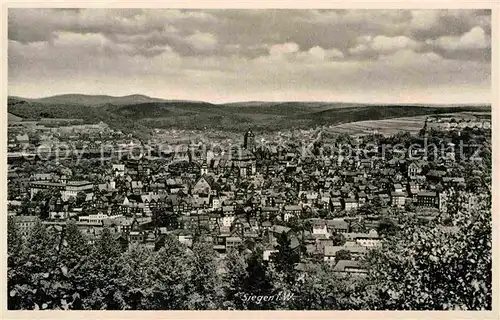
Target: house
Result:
[350, 204]
[336, 204]
[180, 204]
[133, 205]
[290, 211]
[202, 186]
[369, 240]
[330, 252]
[228, 216]
[136, 187]
[68, 189]
[356, 251]
[185, 238]
[122, 240]
[43, 177]
[398, 188]
[435, 176]
[91, 230]
[428, 199]
[453, 181]
[414, 169]
[136, 237]
[337, 226]
[23, 140]
[319, 228]
[24, 224]
[362, 198]
[93, 218]
[119, 170]
[266, 254]
[269, 212]
[350, 267]
[398, 199]
[277, 229]
[413, 189]
[233, 242]
[266, 225]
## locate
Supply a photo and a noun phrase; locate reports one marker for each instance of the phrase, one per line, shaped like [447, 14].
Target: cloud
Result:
[382, 44]
[432, 24]
[358, 49]
[474, 39]
[387, 44]
[254, 31]
[323, 54]
[290, 53]
[424, 19]
[409, 57]
[319, 55]
[202, 41]
[135, 27]
[316, 54]
[279, 50]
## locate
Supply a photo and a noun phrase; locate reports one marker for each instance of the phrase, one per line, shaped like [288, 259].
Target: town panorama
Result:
[122, 201]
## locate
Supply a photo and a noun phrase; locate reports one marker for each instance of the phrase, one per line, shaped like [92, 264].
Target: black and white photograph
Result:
[249, 159]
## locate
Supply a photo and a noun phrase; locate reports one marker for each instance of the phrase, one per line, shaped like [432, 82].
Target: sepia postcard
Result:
[222, 159]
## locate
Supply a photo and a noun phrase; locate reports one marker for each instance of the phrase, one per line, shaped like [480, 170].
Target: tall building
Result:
[249, 141]
[424, 132]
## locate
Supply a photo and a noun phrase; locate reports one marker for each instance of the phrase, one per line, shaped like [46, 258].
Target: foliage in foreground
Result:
[434, 266]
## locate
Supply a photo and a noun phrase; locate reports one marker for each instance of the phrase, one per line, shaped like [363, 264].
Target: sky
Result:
[371, 56]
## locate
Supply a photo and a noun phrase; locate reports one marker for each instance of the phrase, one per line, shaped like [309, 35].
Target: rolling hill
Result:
[141, 113]
[13, 118]
[94, 100]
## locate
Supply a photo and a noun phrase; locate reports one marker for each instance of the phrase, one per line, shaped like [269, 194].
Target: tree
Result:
[387, 227]
[377, 202]
[323, 213]
[234, 275]
[14, 240]
[204, 282]
[169, 272]
[285, 258]
[100, 289]
[135, 276]
[50, 269]
[71, 200]
[409, 206]
[73, 252]
[80, 197]
[323, 289]
[368, 209]
[256, 282]
[338, 239]
[30, 287]
[14, 255]
[434, 267]
[25, 206]
[342, 255]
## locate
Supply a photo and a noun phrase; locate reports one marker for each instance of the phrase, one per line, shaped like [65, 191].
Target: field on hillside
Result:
[385, 127]
[392, 126]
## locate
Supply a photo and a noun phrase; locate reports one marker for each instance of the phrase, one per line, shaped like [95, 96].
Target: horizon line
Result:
[250, 100]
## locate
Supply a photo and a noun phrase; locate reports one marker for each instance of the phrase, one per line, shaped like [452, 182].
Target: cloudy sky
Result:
[384, 56]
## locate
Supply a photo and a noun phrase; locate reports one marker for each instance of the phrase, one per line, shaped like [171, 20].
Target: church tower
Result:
[249, 141]
[424, 131]
[204, 169]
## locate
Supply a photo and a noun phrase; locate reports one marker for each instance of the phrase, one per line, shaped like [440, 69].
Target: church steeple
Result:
[423, 132]
[249, 141]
